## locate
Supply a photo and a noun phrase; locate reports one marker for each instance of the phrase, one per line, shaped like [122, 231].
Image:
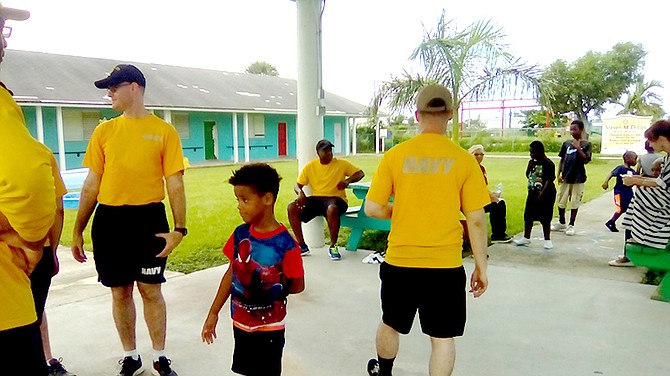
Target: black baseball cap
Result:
[122, 73]
[324, 144]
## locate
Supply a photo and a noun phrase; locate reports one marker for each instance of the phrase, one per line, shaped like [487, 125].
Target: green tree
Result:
[538, 119]
[642, 101]
[592, 80]
[472, 63]
[263, 68]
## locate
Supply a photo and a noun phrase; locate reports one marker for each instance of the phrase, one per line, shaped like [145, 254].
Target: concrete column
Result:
[40, 124]
[354, 138]
[246, 137]
[347, 136]
[236, 153]
[377, 136]
[167, 116]
[309, 127]
[61, 138]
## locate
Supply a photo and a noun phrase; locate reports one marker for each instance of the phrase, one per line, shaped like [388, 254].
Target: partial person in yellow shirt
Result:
[131, 160]
[431, 180]
[27, 209]
[328, 177]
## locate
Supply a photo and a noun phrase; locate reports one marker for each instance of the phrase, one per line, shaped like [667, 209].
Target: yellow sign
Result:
[623, 133]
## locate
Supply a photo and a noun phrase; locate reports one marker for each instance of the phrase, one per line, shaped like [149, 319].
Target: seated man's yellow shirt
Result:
[323, 179]
[133, 156]
[432, 181]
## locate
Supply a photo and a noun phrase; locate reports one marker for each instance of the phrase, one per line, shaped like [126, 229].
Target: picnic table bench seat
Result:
[653, 258]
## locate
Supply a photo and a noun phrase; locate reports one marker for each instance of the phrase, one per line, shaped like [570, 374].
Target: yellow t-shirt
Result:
[133, 156]
[432, 181]
[59, 185]
[27, 201]
[323, 179]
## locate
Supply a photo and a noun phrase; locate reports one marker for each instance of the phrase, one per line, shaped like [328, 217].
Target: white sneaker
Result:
[570, 230]
[521, 241]
[373, 258]
[558, 226]
[548, 244]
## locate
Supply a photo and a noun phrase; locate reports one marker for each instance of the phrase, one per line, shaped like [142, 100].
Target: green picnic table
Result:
[356, 219]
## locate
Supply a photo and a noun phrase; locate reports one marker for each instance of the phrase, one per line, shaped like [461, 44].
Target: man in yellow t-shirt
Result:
[432, 181]
[328, 177]
[131, 159]
[27, 209]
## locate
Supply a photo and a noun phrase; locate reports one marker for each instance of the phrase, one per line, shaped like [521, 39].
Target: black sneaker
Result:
[612, 226]
[304, 250]
[373, 367]
[162, 367]
[130, 366]
[56, 368]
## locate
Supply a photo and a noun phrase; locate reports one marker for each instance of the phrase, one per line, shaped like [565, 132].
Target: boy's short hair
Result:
[628, 152]
[578, 123]
[260, 176]
[537, 146]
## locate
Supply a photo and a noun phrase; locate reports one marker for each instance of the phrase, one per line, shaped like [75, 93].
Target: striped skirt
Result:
[648, 217]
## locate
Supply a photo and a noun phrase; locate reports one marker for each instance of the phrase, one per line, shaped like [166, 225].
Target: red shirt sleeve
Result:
[292, 264]
[229, 247]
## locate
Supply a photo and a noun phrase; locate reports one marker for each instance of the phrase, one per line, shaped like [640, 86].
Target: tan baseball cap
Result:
[13, 14]
[434, 98]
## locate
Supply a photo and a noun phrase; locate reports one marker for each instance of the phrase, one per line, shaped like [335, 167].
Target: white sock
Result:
[158, 354]
[132, 353]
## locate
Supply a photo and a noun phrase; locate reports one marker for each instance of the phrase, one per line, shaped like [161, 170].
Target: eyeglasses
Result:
[6, 31]
[478, 154]
[114, 88]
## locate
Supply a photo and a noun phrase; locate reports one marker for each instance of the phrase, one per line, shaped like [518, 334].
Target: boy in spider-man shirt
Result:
[265, 266]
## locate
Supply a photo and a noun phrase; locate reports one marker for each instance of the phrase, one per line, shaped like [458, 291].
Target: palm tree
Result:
[472, 63]
[642, 101]
[262, 68]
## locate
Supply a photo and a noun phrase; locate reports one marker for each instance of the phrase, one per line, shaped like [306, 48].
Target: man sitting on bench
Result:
[328, 177]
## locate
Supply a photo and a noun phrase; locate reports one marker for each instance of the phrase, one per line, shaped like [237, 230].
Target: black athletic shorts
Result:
[125, 244]
[317, 206]
[40, 281]
[438, 295]
[21, 348]
[258, 353]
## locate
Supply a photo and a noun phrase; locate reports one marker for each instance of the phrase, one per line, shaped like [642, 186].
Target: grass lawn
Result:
[212, 213]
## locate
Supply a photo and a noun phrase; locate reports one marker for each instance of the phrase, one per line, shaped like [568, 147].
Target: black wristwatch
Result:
[183, 230]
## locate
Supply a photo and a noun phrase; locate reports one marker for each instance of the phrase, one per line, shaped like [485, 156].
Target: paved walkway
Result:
[558, 312]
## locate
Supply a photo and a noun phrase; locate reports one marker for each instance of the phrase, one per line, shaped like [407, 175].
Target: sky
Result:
[364, 42]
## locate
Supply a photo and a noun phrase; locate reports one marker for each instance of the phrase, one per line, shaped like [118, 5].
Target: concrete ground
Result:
[547, 312]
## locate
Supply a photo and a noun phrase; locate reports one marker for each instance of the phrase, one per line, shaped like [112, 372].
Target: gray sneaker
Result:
[558, 226]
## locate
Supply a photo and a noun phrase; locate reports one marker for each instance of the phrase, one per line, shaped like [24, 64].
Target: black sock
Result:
[561, 215]
[573, 216]
[385, 366]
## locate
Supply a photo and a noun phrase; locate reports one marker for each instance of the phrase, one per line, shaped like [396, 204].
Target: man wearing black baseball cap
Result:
[328, 177]
[120, 74]
[138, 154]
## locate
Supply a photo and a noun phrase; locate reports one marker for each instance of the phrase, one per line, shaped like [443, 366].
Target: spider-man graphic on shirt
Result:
[262, 263]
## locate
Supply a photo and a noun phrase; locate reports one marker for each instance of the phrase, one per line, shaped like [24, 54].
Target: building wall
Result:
[193, 143]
